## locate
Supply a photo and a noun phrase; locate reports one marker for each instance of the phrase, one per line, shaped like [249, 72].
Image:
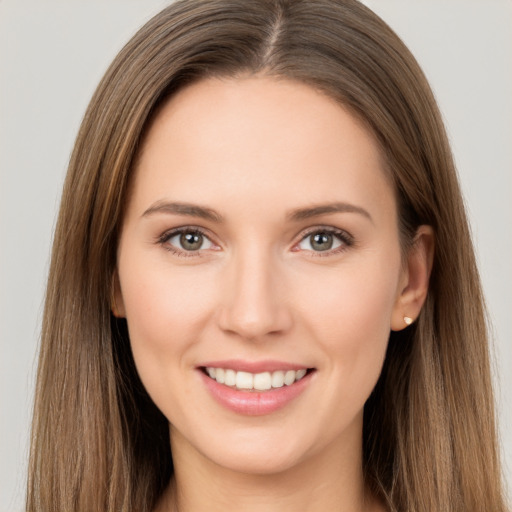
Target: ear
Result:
[116, 297]
[414, 282]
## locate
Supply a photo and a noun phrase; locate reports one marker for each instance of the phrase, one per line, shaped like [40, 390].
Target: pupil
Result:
[322, 242]
[191, 241]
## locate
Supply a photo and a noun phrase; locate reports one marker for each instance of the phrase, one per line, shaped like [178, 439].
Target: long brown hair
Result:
[98, 441]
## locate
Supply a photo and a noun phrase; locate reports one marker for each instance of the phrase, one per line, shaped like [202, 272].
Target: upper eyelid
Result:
[169, 233]
[325, 229]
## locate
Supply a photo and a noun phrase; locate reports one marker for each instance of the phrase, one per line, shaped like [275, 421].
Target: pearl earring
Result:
[407, 320]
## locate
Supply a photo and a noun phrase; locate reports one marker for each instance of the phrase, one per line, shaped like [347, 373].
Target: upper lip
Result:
[239, 365]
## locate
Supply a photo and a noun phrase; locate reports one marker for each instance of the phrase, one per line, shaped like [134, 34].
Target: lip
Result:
[254, 403]
[267, 365]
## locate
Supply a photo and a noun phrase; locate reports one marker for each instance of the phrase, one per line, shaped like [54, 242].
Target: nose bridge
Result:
[253, 305]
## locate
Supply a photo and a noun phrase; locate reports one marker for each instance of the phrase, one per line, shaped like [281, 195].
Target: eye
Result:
[186, 240]
[325, 240]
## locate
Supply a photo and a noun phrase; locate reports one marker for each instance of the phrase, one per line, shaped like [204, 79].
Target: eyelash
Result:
[343, 236]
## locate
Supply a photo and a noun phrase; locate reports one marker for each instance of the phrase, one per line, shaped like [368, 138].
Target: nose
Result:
[254, 305]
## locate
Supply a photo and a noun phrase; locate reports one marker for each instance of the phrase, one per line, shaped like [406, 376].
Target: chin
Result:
[257, 464]
[259, 451]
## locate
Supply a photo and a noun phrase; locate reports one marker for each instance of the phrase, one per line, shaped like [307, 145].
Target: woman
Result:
[262, 265]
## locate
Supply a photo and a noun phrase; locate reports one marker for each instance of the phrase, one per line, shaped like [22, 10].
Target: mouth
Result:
[255, 382]
[255, 388]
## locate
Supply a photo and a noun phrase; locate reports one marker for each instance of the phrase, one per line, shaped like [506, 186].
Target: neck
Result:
[331, 480]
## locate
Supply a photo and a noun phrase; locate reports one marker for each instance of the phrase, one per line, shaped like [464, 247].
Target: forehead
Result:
[226, 138]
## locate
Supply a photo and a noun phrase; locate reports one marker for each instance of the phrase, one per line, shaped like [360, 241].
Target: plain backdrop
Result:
[52, 55]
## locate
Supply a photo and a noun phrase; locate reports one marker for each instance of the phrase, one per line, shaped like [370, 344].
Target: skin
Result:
[254, 150]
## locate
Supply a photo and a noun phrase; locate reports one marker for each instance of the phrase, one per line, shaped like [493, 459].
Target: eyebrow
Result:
[193, 210]
[188, 209]
[324, 209]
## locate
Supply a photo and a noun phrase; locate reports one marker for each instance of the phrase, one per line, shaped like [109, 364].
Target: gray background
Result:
[53, 53]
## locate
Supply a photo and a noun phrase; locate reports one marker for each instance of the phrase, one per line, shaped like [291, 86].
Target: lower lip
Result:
[254, 403]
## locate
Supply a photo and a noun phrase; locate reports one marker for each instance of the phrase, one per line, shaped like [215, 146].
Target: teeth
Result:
[262, 381]
[244, 380]
[289, 377]
[278, 379]
[255, 381]
[230, 379]
[220, 376]
[300, 374]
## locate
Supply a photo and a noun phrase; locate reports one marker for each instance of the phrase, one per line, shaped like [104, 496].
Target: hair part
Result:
[98, 441]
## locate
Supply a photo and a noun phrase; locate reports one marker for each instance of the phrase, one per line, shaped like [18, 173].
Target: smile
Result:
[247, 381]
[255, 389]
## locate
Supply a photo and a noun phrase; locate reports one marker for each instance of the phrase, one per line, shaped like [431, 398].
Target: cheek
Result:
[349, 317]
[166, 310]
[356, 297]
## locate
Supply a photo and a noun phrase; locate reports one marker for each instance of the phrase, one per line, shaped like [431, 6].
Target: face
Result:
[260, 272]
